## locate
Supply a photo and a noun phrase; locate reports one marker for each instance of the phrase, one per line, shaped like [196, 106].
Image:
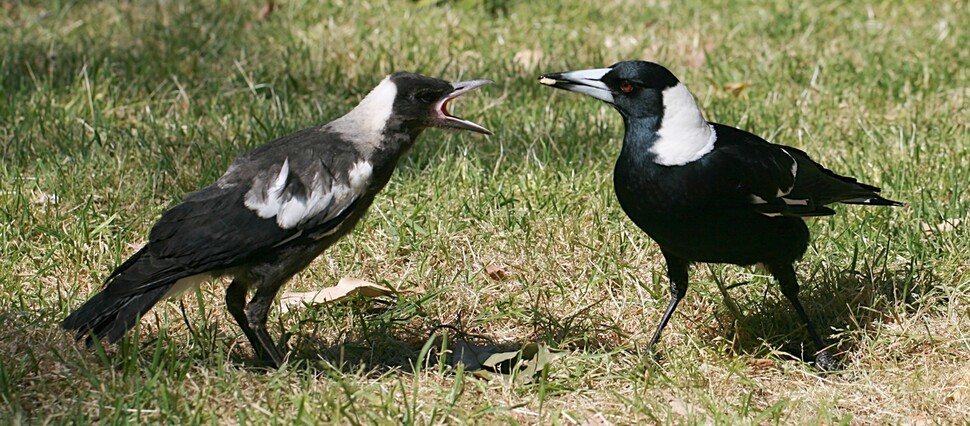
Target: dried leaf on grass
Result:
[761, 365]
[519, 367]
[683, 408]
[496, 272]
[470, 354]
[345, 288]
[484, 361]
[947, 225]
[737, 88]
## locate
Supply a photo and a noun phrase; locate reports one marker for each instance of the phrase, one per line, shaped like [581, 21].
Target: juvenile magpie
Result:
[274, 210]
[706, 192]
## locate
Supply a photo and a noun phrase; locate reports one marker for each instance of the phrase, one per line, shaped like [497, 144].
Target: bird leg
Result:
[785, 274]
[677, 274]
[257, 310]
[236, 304]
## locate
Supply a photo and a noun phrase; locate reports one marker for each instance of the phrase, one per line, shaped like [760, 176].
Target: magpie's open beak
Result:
[450, 121]
[587, 82]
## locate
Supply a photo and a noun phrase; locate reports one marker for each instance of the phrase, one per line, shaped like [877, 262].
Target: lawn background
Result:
[112, 111]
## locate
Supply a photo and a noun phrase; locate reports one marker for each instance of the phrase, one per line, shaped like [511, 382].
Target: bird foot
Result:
[272, 356]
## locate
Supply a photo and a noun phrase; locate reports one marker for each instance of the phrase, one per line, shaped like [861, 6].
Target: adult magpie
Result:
[706, 192]
[276, 209]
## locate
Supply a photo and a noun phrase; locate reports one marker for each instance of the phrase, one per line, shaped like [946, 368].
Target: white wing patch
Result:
[297, 209]
[269, 206]
[792, 202]
[360, 175]
[757, 200]
[684, 136]
[292, 211]
[794, 175]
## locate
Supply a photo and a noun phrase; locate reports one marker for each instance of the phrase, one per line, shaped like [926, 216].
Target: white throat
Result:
[684, 135]
[365, 123]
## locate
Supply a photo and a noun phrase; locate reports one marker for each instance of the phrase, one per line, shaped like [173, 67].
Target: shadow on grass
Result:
[396, 338]
[376, 338]
[841, 304]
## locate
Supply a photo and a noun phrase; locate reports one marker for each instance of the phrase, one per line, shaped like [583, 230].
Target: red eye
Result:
[625, 86]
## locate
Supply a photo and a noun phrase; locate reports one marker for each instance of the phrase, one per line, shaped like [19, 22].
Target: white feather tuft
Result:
[292, 211]
[366, 122]
[684, 136]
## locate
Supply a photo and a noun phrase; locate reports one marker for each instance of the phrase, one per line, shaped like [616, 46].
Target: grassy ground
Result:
[112, 112]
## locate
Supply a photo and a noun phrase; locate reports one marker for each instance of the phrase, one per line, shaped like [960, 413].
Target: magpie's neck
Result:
[684, 135]
[373, 127]
[678, 136]
[639, 136]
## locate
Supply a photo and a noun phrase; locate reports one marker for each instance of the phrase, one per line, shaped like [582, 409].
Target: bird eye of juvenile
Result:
[427, 97]
[626, 86]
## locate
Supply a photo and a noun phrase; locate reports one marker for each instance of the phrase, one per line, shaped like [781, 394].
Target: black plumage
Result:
[275, 210]
[706, 192]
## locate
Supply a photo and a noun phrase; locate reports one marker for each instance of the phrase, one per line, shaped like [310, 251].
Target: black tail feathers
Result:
[873, 200]
[129, 292]
[109, 316]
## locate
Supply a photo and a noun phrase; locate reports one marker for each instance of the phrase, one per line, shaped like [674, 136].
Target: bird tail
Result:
[129, 292]
[860, 192]
[873, 200]
[868, 195]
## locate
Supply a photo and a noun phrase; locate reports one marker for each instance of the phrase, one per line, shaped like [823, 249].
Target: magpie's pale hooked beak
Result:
[587, 82]
[451, 121]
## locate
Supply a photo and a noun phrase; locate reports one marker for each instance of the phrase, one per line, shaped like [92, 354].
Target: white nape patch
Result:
[186, 284]
[794, 174]
[684, 136]
[792, 202]
[365, 123]
[757, 200]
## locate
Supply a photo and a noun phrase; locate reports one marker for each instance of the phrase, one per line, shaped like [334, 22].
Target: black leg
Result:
[677, 274]
[257, 312]
[785, 274]
[236, 304]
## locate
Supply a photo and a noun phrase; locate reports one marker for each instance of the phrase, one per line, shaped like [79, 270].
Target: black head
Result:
[635, 88]
[421, 102]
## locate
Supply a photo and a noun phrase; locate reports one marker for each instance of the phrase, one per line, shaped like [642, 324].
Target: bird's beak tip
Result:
[548, 79]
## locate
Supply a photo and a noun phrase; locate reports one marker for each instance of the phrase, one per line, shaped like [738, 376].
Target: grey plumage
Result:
[274, 210]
